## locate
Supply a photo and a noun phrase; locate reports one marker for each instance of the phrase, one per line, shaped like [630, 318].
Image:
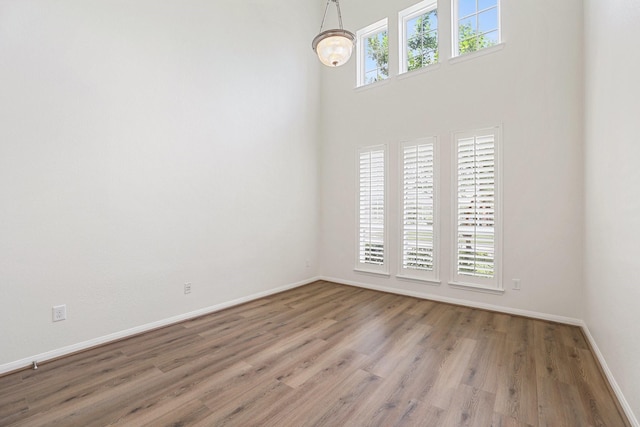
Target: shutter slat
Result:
[371, 207]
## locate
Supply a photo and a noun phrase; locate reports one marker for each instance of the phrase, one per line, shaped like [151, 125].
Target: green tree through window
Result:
[422, 45]
[478, 25]
[471, 41]
[378, 52]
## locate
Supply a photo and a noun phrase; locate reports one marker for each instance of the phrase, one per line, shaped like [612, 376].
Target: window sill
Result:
[428, 68]
[432, 282]
[476, 54]
[477, 288]
[372, 85]
[372, 272]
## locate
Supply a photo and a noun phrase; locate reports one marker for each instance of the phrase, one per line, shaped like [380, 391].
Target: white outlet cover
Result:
[59, 312]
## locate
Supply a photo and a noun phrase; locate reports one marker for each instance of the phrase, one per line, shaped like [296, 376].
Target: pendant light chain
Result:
[326, 9]
[339, 13]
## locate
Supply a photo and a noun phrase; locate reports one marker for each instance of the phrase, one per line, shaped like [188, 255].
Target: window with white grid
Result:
[419, 231]
[372, 62]
[418, 27]
[372, 245]
[476, 25]
[477, 208]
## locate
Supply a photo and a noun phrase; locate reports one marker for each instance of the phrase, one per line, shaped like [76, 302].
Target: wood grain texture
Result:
[325, 355]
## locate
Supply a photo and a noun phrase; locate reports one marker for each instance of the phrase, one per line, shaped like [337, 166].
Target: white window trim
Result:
[372, 85]
[494, 285]
[426, 69]
[455, 31]
[476, 288]
[430, 277]
[472, 55]
[364, 267]
[408, 14]
[362, 34]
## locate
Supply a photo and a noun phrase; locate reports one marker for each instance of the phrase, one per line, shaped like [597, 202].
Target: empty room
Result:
[319, 213]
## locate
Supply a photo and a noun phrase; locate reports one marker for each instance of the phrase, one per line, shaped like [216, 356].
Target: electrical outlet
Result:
[307, 263]
[187, 288]
[59, 312]
[516, 284]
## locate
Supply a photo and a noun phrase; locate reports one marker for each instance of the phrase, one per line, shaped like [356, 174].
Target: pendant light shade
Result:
[333, 47]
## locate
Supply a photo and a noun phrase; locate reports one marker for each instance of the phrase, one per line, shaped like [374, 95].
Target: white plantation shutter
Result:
[371, 209]
[418, 209]
[477, 207]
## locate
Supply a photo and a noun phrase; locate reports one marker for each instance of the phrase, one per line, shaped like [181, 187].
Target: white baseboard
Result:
[466, 303]
[532, 314]
[612, 381]
[74, 348]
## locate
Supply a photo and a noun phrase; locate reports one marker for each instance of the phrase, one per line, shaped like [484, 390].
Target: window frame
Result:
[494, 284]
[455, 23]
[430, 277]
[425, 6]
[382, 269]
[361, 35]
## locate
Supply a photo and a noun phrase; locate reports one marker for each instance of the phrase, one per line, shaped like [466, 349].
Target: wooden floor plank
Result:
[325, 354]
[516, 393]
[450, 373]
[398, 397]
[185, 415]
[175, 399]
[470, 407]
[483, 370]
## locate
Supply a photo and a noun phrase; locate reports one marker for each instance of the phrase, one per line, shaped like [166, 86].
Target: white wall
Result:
[612, 199]
[533, 87]
[146, 144]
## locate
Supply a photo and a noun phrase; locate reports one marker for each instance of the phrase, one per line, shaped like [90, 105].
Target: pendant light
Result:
[334, 47]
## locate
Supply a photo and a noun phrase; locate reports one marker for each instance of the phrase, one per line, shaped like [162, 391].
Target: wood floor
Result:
[325, 355]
